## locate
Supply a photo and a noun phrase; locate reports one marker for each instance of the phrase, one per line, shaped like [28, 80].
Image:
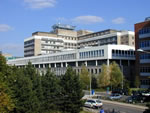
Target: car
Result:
[146, 93]
[93, 103]
[115, 96]
[136, 99]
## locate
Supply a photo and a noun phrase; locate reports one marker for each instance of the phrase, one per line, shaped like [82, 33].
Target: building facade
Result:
[65, 37]
[91, 57]
[142, 39]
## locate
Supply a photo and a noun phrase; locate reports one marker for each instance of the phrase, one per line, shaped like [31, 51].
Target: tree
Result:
[25, 96]
[30, 72]
[71, 92]
[85, 77]
[51, 89]
[116, 76]
[104, 76]
[94, 84]
[6, 103]
[137, 81]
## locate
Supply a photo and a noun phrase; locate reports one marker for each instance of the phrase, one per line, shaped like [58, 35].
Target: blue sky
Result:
[20, 18]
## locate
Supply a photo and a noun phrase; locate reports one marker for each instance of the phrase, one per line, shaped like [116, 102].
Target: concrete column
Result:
[66, 64]
[120, 63]
[107, 62]
[96, 62]
[128, 63]
[76, 63]
[86, 63]
[49, 66]
[39, 66]
[61, 64]
[43, 65]
[55, 65]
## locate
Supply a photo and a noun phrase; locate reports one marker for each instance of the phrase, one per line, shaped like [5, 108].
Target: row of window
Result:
[106, 40]
[122, 53]
[49, 58]
[145, 82]
[145, 43]
[90, 54]
[95, 34]
[145, 69]
[145, 56]
[144, 30]
[29, 42]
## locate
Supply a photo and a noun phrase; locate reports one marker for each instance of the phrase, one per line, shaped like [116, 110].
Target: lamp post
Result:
[141, 50]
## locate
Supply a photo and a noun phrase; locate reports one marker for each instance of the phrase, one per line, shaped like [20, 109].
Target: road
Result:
[108, 106]
[122, 108]
[117, 106]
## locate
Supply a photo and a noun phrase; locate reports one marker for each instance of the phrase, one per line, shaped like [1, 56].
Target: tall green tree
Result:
[85, 77]
[34, 76]
[137, 81]
[104, 76]
[116, 75]
[51, 90]
[24, 95]
[6, 103]
[71, 92]
[94, 83]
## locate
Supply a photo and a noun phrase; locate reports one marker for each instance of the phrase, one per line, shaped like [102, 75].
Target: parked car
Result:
[146, 93]
[136, 99]
[115, 96]
[93, 103]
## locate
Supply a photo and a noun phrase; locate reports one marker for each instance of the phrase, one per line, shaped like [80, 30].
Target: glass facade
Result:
[145, 43]
[122, 53]
[145, 56]
[91, 54]
[144, 30]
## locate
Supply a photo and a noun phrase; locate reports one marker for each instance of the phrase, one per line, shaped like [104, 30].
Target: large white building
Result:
[65, 37]
[92, 57]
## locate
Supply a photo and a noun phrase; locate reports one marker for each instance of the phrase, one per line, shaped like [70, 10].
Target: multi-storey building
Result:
[105, 37]
[92, 57]
[65, 37]
[62, 37]
[142, 39]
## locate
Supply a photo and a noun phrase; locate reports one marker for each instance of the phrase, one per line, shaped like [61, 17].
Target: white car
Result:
[115, 96]
[93, 103]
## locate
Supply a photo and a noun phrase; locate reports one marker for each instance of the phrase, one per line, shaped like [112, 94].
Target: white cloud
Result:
[119, 20]
[40, 4]
[12, 48]
[87, 19]
[5, 28]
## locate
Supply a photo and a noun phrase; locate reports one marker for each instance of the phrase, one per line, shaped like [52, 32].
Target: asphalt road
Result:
[119, 108]
[122, 108]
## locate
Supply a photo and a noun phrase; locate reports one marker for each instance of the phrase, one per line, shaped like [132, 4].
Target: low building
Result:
[91, 57]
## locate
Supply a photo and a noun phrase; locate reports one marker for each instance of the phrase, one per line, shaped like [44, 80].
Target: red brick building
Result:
[142, 42]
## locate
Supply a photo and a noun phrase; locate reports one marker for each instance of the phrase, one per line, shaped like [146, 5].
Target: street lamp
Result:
[141, 50]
